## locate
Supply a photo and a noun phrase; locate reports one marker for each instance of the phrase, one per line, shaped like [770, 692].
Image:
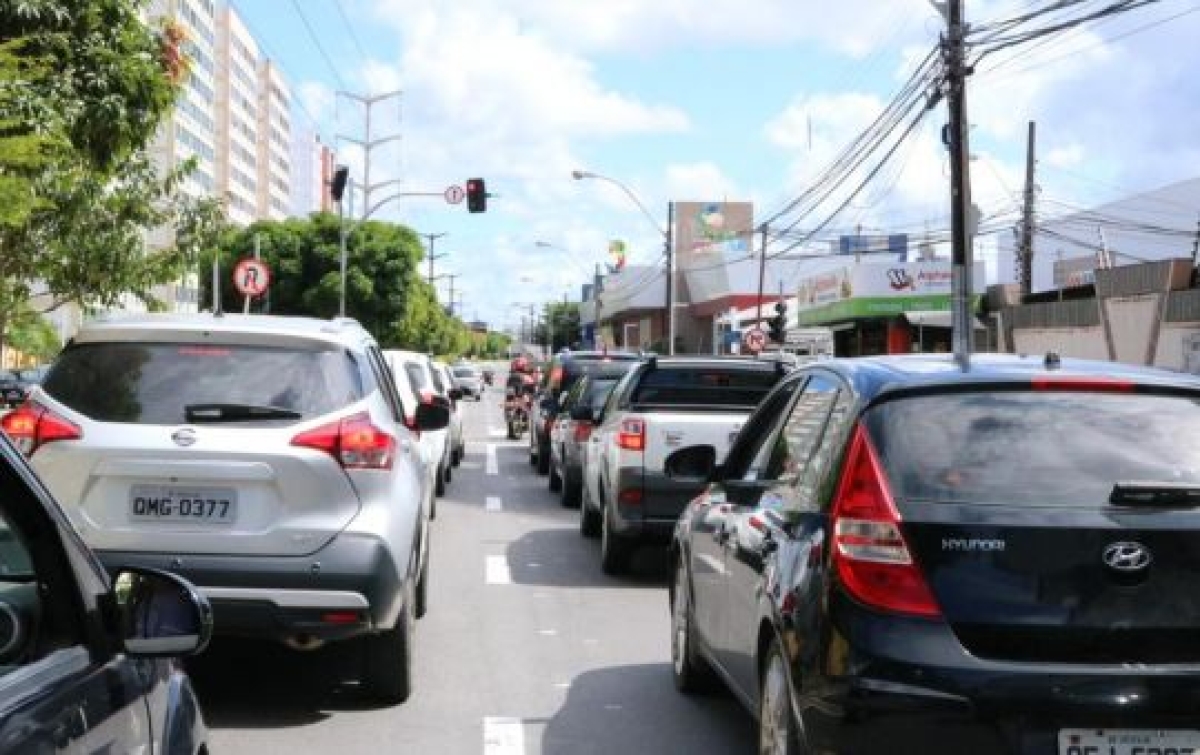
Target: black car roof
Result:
[872, 376]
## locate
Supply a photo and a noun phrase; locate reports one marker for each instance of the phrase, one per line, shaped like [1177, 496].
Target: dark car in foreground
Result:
[12, 389]
[572, 428]
[899, 555]
[88, 664]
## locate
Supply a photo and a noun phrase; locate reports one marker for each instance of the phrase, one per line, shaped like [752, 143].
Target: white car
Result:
[469, 380]
[414, 375]
[443, 378]
[267, 460]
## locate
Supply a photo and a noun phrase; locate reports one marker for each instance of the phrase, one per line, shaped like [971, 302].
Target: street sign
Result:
[251, 277]
[454, 194]
[755, 339]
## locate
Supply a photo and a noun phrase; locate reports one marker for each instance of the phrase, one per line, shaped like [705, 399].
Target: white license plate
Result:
[1128, 742]
[165, 503]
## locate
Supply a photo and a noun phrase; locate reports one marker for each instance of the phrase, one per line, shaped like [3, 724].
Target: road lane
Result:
[559, 659]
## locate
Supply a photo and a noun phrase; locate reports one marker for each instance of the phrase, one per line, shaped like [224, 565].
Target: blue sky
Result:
[691, 100]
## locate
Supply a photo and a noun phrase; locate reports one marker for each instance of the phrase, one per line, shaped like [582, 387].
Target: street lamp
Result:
[665, 233]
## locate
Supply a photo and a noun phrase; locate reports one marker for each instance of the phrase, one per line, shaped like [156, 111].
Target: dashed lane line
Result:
[496, 571]
[492, 466]
[503, 736]
[493, 504]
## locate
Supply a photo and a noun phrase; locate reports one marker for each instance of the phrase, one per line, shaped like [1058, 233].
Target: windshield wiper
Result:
[1139, 493]
[236, 412]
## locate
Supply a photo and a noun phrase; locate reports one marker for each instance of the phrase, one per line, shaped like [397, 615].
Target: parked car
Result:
[12, 389]
[558, 377]
[904, 555]
[662, 404]
[413, 374]
[266, 459]
[443, 380]
[468, 380]
[572, 427]
[87, 662]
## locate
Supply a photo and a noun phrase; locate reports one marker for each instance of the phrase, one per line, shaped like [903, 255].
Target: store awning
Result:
[935, 318]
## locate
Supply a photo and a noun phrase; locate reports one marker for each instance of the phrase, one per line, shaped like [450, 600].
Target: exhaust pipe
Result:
[303, 642]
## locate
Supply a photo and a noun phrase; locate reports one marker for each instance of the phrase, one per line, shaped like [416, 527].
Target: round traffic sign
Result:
[251, 277]
[454, 194]
[755, 339]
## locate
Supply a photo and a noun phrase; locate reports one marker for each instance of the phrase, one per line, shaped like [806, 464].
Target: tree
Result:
[83, 88]
[563, 324]
[33, 336]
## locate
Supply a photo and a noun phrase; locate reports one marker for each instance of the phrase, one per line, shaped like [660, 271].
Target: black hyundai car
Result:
[902, 555]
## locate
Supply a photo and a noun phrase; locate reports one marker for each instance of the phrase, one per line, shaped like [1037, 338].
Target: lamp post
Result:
[665, 233]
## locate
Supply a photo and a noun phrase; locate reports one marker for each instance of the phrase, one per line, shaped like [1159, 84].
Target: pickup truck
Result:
[661, 405]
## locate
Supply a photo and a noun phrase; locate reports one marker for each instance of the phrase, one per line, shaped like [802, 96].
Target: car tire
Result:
[440, 484]
[778, 733]
[543, 458]
[554, 482]
[387, 661]
[512, 431]
[614, 549]
[691, 672]
[569, 498]
[421, 606]
[589, 518]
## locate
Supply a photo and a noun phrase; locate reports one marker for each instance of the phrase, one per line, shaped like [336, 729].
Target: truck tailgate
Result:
[667, 432]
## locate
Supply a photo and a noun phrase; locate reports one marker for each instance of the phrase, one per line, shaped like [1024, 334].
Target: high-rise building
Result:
[238, 116]
[274, 143]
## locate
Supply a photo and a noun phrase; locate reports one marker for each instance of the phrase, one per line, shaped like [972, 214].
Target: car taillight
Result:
[32, 426]
[1096, 384]
[631, 435]
[353, 441]
[870, 555]
[583, 431]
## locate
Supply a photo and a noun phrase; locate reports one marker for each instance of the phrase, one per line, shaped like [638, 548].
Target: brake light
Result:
[870, 555]
[31, 426]
[630, 496]
[1093, 384]
[583, 431]
[354, 441]
[341, 617]
[632, 434]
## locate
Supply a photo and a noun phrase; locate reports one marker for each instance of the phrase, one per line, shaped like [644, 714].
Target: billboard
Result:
[875, 288]
[713, 244]
[895, 244]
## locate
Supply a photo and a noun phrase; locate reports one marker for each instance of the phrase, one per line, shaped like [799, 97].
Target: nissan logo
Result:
[1127, 557]
[184, 437]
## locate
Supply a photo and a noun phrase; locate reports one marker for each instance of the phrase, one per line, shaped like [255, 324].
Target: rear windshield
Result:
[574, 369]
[703, 387]
[416, 374]
[1035, 448]
[152, 383]
[597, 392]
[464, 372]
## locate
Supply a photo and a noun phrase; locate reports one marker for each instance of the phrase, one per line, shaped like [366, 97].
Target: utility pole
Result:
[369, 144]
[960, 182]
[452, 276]
[343, 211]
[1026, 252]
[432, 237]
[1196, 244]
[762, 272]
[669, 251]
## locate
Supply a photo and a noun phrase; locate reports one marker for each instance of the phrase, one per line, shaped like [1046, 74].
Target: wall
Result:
[1081, 343]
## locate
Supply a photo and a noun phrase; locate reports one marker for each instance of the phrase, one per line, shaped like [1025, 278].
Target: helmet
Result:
[520, 364]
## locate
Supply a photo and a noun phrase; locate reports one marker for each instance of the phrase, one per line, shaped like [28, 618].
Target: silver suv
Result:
[268, 460]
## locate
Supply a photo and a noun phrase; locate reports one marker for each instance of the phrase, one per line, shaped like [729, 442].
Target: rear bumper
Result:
[662, 501]
[283, 596]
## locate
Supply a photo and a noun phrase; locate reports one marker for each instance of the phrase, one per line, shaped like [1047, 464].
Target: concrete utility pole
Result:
[369, 144]
[960, 182]
[670, 252]
[762, 272]
[1196, 244]
[1026, 253]
[452, 276]
[432, 237]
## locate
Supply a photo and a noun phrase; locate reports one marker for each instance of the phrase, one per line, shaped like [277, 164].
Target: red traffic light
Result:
[476, 195]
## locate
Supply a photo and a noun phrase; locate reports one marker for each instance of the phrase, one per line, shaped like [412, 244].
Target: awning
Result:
[935, 318]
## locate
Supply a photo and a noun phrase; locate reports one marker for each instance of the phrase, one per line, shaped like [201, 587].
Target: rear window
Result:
[417, 375]
[597, 392]
[704, 387]
[464, 372]
[1035, 448]
[152, 383]
[564, 376]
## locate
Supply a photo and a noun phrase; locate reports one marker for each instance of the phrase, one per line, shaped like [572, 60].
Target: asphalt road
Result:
[527, 648]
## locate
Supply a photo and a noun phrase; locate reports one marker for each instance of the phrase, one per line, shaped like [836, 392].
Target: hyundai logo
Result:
[1127, 557]
[184, 437]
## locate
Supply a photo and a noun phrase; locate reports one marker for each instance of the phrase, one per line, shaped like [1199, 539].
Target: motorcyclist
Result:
[520, 385]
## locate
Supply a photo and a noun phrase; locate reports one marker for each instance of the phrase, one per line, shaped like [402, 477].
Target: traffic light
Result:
[778, 323]
[337, 185]
[476, 195]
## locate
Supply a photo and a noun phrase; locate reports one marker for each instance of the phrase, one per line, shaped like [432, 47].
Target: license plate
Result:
[1128, 742]
[182, 504]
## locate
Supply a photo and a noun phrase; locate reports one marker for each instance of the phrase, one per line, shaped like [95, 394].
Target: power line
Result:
[320, 48]
[350, 28]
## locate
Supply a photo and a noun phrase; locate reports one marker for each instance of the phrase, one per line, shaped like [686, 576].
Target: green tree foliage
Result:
[560, 325]
[384, 289]
[33, 336]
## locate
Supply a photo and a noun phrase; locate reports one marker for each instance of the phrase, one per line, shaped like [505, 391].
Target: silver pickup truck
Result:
[661, 405]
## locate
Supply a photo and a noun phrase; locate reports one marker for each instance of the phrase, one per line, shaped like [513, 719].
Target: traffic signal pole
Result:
[960, 183]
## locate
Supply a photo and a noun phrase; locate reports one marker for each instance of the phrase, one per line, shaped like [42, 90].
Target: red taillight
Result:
[341, 617]
[583, 431]
[353, 441]
[870, 555]
[1075, 383]
[631, 496]
[632, 434]
[32, 426]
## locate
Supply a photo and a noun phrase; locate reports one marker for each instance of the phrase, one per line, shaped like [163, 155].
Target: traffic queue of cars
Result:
[912, 554]
[253, 476]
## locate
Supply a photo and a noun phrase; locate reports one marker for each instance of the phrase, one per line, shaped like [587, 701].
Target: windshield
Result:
[465, 372]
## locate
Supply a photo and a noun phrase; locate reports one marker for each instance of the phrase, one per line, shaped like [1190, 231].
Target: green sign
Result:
[876, 306]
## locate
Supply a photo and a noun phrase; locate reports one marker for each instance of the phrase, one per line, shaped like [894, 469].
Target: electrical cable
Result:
[320, 48]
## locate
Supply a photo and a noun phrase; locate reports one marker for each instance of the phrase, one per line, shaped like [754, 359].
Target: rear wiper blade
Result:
[236, 412]
[1139, 493]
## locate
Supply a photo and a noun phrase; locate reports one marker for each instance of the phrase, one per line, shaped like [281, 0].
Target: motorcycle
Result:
[516, 413]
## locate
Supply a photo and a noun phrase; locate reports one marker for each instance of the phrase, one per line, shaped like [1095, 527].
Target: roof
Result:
[875, 375]
[263, 327]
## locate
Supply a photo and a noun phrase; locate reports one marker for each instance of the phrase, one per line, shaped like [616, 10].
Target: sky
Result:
[710, 100]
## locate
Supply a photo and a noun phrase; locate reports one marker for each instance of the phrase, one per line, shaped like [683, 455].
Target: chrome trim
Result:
[289, 598]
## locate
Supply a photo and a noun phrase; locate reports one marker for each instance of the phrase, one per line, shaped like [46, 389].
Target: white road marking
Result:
[503, 736]
[497, 571]
[548, 632]
[498, 433]
[493, 504]
[492, 467]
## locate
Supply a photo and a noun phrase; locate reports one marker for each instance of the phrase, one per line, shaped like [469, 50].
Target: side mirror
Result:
[582, 413]
[692, 464]
[432, 416]
[160, 614]
[456, 394]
